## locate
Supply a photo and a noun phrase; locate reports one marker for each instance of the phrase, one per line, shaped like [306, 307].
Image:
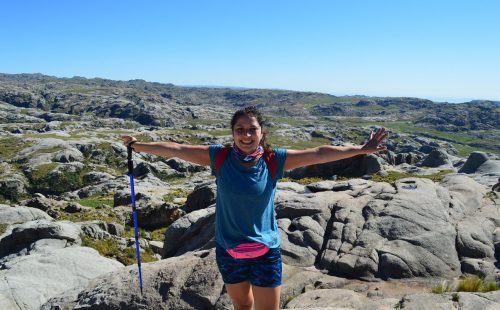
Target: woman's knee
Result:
[241, 295]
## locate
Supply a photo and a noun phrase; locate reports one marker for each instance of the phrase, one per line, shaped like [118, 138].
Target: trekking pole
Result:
[134, 213]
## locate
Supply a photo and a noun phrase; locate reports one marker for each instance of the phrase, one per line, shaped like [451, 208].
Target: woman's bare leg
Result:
[241, 295]
[266, 298]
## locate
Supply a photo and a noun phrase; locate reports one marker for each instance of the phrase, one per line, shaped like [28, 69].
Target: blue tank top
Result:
[245, 201]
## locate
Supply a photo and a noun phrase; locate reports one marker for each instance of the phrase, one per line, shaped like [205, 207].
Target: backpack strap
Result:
[269, 157]
[220, 157]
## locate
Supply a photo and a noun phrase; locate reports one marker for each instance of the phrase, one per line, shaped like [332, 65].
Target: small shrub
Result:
[476, 284]
[158, 234]
[393, 176]
[177, 193]
[47, 180]
[85, 216]
[110, 248]
[443, 287]
[3, 228]
[466, 284]
[303, 181]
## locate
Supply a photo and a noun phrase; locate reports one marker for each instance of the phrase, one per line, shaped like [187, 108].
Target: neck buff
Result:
[247, 158]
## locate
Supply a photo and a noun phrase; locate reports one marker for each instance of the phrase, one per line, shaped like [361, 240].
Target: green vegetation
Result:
[288, 299]
[165, 177]
[111, 249]
[393, 176]
[155, 234]
[47, 180]
[112, 160]
[109, 217]
[466, 284]
[3, 228]
[96, 201]
[176, 193]
[303, 181]
[159, 234]
[11, 146]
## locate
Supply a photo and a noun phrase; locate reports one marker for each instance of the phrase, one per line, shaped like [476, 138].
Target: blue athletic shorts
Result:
[264, 271]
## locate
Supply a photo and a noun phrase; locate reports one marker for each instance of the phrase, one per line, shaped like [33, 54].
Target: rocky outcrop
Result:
[364, 229]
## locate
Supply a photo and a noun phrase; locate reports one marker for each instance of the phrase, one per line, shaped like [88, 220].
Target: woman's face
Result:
[247, 133]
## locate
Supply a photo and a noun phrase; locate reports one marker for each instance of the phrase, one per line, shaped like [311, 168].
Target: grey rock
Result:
[101, 230]
[436, 158]
[153, 216]
[13, 184]
[333, 298]
[184, 166]
[371, 164]
[95, 177]
[190, 281]
[50, 206]
[15, 215]
[24, 234]
[191, 232]
[475, 238]
[201, 197]
[29, 281]
[473, 162]
[69, 155]
[478, 267]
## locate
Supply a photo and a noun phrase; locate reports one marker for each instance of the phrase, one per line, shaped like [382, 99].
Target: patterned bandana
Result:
[247, 158]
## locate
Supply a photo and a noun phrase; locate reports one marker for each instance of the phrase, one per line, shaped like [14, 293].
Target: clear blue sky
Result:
[437, 49]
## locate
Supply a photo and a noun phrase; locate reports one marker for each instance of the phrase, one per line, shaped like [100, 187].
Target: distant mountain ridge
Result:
[151, 103]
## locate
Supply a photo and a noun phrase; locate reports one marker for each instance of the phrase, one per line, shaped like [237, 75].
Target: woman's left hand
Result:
[374, 143]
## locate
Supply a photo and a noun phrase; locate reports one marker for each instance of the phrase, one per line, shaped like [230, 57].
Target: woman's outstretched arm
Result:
[327, 153]
[198, 154]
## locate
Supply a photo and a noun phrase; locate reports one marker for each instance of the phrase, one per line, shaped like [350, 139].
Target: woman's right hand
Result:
[128, 139]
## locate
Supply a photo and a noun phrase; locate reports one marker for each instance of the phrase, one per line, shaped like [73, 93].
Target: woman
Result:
[247, 236]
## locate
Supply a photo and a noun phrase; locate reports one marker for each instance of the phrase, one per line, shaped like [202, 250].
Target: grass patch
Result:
[303, 181]
[85, 216]
[110, 248]
[466, 284]
[393, 176]
[3, 228]
[47, 181]
[176, 193]
[95, 202]
[11, 146]
[156, 234]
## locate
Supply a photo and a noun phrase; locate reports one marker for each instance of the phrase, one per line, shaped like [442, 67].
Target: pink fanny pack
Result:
[248, 250]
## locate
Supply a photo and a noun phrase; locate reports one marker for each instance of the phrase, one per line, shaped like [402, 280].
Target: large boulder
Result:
[191, 232]
[473, 162]
[201, 197]
[13, 184]
[190, 281]
[23, 235]
[436, 158]
[153, 216]
[15, 215]
[26, 282]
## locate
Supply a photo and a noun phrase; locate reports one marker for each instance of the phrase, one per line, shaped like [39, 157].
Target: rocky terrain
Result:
[371, 232]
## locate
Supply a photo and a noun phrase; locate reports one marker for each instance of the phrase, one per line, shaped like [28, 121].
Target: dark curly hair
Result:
[253, 111]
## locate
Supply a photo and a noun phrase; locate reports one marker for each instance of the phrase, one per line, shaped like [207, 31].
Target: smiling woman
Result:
[246, 230]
